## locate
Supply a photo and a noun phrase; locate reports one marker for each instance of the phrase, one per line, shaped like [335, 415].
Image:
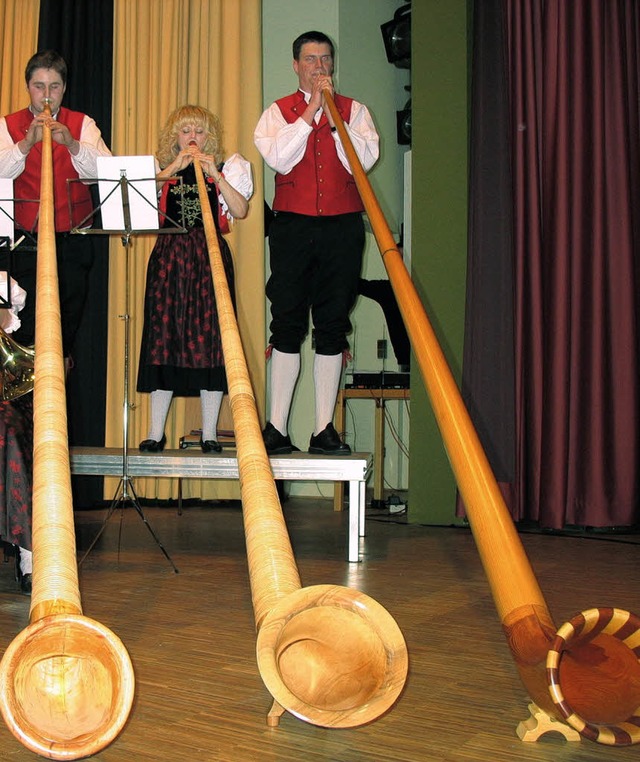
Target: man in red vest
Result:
[316, 238]
[76, 142]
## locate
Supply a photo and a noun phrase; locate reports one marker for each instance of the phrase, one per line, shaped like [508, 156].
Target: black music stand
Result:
[5, 301]
[125, 493]
[6, 242]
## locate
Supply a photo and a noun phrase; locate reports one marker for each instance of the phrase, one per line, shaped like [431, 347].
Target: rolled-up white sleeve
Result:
[282, 145]
[11, 157]
[91, 146]
[364, 137]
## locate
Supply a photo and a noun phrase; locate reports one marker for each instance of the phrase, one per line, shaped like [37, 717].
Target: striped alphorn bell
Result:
[66, 681]
[586, 674]
[330, 655]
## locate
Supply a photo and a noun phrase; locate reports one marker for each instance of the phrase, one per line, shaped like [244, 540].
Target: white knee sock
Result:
[26, 561]
[160, 403]
[285, 368]
[327, 370]
[210, 403]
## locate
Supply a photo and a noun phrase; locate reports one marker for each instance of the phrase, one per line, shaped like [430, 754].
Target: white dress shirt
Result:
[283, 145]
[12, 160]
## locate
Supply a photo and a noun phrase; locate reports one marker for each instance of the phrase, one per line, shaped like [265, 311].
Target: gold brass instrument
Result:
[328, 654]
[586, 674]
[16, 368]
[66, 681]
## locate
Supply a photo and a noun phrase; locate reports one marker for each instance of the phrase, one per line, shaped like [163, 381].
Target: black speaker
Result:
[403, 123]
[396, 35]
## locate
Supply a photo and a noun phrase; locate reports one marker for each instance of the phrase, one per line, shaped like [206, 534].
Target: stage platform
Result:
[194, 464]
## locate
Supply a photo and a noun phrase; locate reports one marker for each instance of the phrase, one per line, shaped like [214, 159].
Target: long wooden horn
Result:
[588, 673]
[328, 654]
[66, 681]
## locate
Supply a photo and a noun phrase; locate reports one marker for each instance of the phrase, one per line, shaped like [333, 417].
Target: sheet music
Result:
[140, 172]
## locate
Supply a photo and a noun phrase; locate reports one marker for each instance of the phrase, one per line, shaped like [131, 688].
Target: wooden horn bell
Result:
[66, 681]
[329, 655]
[587, 673]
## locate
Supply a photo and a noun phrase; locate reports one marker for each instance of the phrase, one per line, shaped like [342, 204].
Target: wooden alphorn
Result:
[588, 672]
[328, 654]
[66, 681]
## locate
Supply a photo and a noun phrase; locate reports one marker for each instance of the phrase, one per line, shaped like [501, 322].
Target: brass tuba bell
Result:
[16, 368]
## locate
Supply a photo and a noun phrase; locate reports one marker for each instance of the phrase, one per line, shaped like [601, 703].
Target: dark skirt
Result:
[181, 347]
[16, 462]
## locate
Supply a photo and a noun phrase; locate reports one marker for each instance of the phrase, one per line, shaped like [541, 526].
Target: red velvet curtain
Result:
[574, 96]
[572, 89]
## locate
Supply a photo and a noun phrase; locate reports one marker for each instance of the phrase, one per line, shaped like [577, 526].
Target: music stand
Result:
[8, 233]
[5, 301]
[141, 199]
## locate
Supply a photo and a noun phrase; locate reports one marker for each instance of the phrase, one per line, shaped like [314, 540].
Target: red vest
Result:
[318, 185]
[27, 185]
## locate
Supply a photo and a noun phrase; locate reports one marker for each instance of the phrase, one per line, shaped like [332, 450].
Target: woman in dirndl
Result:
[181, 349]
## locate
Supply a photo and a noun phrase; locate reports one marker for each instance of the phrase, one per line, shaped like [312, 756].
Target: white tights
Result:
[210, 403]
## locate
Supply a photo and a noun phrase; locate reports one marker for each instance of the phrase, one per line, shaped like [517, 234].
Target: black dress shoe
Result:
[210, 445]
[328, 443]
[152, 445]
[276, 443]
[25, 584]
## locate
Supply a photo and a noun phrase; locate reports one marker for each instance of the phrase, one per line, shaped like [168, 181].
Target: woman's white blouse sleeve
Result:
[237, 172]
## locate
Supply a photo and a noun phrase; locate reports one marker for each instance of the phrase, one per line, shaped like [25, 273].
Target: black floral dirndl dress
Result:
[181, 348]
[16, 464]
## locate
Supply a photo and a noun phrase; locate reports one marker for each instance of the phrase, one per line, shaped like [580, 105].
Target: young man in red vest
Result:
[76, 142]
[316, 238]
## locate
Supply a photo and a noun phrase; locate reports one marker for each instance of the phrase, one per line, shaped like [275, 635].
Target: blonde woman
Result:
[181, 349]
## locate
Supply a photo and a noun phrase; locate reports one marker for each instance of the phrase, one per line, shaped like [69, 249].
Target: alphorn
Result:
[66, 681]
[587, 673]
[330, 655]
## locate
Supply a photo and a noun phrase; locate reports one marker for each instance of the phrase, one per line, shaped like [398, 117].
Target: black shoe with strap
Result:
[210, 445]
[327, 442]
[276, 443]
[152, 445]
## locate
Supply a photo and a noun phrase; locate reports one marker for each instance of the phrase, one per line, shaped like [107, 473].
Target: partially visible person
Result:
[16, 456]
[76, 143]
[316, 238]
[181, 349]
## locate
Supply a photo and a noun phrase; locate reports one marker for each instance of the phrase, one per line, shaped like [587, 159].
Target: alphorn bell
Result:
[588, 672]
[66, 681]
[330, 655]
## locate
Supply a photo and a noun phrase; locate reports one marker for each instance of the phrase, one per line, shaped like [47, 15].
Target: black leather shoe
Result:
[25, 584]
[276, 443]
[328, 443]
[210, 445]
[152, 445]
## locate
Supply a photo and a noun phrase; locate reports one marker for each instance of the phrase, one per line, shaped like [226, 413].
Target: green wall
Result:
[439, 230]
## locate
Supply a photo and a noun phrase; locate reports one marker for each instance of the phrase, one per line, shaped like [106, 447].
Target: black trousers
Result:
[75, 256]
[315, 266]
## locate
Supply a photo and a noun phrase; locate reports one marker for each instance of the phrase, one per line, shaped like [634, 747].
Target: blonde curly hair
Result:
[181, 117]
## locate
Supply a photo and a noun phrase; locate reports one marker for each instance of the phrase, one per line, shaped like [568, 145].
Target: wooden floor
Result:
[191, 636]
